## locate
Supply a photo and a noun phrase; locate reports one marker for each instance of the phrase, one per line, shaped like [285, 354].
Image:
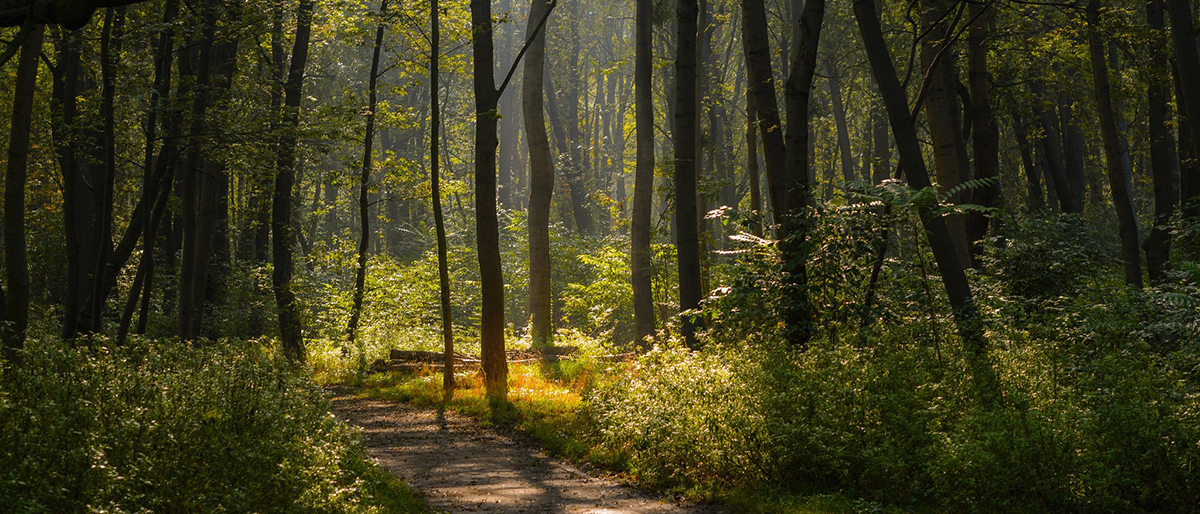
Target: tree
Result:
[1163, 164]
[643, 182]
[541, 180]
[966, 313]
[1187, 64]
[686, 219]
[1118, 177]
[290, 330]
[16, 266]
[364, 185]
[435, 122]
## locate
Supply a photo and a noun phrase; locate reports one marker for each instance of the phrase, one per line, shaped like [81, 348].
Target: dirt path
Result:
[461, 467]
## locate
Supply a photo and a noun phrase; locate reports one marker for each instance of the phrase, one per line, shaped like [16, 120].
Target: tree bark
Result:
[686, 221]
[290, 330]
[1118, 177]
[950, 161]
[762, 83]
[799, 314]
[541, 180]
[986, 142]
[643, 181]
[1163, 164]
[364, 185]
[839, 118]
[495, 365]
[439, 222]
[1187, 62]
[16, 266]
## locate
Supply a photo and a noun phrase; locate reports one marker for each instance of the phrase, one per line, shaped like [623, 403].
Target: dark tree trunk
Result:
[752, 166]
[762, 83]
[1187, 62]
[439, 222]
[77, 208]
[189, 267]
[1033, 174]
[686, 220]
[986, 142]
[643, 181]
[881, 160]
[495, 365]
[839, 118]
[1052, 150]
[958, 290]
[364, 185]
[541, 180]
[942, 112]
[290, 330]
[1163, 164]
[16, 267]
[1118, 176]
[799, 314]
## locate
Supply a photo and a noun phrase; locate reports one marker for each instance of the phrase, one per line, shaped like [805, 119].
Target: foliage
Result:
[161, 426]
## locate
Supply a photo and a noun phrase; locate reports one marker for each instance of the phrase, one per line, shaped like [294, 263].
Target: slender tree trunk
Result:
[643, 180]
[1118, 178]
[942, 112]
[839, 118]
[77, 218]
[189, 266]
[1036, 200]
[881, 160]
[799, 314]
[541, 180]
[686, 225]
[364, 185]
[958, 290]
[752, 166]
[1052, 150]
[762, 83]
[439, 222]
[495, 365]
[986, 143]
[1187, 62]
[1163, 164]
[16, 266]
[144, 280]
[290, 330]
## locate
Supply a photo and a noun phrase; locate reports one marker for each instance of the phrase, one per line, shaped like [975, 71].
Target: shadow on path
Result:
[461, 467]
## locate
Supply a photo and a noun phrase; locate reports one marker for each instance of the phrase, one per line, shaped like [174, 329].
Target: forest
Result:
[769, 256]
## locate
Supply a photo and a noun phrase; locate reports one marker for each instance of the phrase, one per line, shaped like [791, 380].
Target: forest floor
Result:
[461, 466]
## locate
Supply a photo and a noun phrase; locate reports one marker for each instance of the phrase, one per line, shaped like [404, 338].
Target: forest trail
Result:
[462, 467]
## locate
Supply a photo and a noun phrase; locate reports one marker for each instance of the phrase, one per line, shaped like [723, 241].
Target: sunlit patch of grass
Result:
[550, 410]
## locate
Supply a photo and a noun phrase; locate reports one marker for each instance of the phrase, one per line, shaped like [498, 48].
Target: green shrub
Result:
[160, 426]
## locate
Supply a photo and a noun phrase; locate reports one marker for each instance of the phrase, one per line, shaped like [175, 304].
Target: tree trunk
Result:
[1163, 164]
[1033, 175]
[798, 311]
[290, 330]
[1187, 62]
[364, 185]
[495, 365]
[439, 222]
[16, 267]
[839, 118]
[942, 112]
[966, 314]
[762, 83]
[986, 142]
[643, 181]
[541, 180]
[752, 166]
[1052, 150]
[1118, 177]
[686, 221]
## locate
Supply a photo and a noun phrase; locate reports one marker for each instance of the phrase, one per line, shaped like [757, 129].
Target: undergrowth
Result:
[160, 426]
